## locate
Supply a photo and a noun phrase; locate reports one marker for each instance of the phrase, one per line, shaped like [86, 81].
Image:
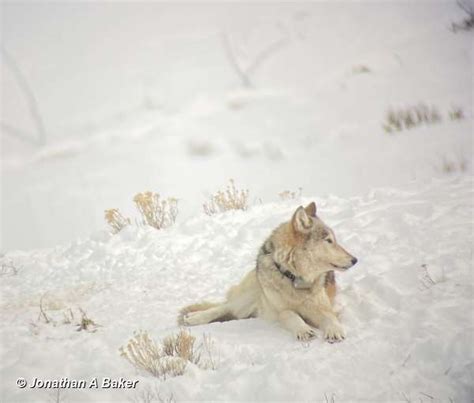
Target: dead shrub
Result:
[455, 164]
[361, 69]
[167, 359]
[410, 117]
[229, 199]
[456, 113]
[68, 318]
[8, 269]
[155, 211]
[152, 395]
[143, 353]
[208, 347]
[426, 281]
[86, 323]
[116, 220]
[290, 195]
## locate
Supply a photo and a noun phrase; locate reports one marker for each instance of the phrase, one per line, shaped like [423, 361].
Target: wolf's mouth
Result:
[353, 262]
[339, 267]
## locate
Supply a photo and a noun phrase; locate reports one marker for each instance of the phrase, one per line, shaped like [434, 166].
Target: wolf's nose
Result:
[353, 261]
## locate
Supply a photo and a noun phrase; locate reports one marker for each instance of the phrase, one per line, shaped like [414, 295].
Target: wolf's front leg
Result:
[333, 330]
[328, 322]
[296, 325]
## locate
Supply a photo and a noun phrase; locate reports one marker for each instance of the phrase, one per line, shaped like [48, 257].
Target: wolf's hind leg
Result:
[296, 325]
[218, 313]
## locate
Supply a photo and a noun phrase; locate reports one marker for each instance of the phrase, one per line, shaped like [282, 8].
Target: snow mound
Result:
[406, 305]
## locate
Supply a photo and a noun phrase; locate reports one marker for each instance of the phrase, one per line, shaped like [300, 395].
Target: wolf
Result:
[293, 282]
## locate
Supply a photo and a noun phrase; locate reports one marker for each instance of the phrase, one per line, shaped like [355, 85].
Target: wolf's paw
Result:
[194, 318]
[305, 334]
[334, 333]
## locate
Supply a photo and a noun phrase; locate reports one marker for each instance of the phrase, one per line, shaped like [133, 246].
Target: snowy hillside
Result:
[364, 107]
[146, 97]
[406, 305]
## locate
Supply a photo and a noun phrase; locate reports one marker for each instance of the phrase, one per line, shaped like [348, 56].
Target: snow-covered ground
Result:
[406, 306]
[143, 96]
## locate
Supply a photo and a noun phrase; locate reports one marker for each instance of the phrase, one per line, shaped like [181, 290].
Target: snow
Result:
[143, 97]
[406, 305]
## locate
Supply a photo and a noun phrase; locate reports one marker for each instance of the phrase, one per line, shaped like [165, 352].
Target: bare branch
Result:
[31, 100]
[234, 62]
[42, 313]
[265, 54]
[467, 8]
[245, 72]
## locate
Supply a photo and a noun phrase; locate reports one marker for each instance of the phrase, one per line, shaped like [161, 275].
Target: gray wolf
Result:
[293, 282]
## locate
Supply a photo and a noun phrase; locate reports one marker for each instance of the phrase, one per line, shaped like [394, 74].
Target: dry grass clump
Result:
[410, 117]
[81, 320]
[152, 395]
[229, 199]
[453, 165]
[169, 358]
[86, 323]
[145, 354]
[290, 195]
[8, 269]
[361, 69]
[456, 113]
[156, 212]
[116, 220]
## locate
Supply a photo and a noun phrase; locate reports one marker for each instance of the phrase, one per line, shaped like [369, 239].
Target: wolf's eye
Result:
[329, 240]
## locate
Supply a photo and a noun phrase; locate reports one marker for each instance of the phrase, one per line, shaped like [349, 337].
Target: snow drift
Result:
[406, 305]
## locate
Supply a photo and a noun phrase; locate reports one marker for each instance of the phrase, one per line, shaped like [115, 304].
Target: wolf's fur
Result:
[293, 282]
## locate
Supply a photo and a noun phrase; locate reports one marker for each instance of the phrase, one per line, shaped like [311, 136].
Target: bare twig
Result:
[245, 72]
[42, 313]
[32, 102]
[406, 360]
[56, 396]
[333, 400]
[149, 395]
[426, 280]
[234, 63]
[407, 399]
[208, 347]
[86, 323]
[468, 22]
[8, 269]
[425, 394]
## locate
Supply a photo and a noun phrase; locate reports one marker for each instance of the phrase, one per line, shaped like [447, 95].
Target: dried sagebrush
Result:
[168, 358]
[229, 199]
[410, 117]
[116, 220]
[156, 212]
[290, 195]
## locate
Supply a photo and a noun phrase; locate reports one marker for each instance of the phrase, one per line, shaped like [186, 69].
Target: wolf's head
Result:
[316, 246]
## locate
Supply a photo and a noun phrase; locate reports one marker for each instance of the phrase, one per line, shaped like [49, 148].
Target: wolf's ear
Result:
[301, 221]
[311, 209]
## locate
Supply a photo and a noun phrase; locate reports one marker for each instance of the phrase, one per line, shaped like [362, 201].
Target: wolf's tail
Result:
[201, 306]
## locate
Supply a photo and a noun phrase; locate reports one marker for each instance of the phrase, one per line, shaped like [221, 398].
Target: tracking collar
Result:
[298, 281]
